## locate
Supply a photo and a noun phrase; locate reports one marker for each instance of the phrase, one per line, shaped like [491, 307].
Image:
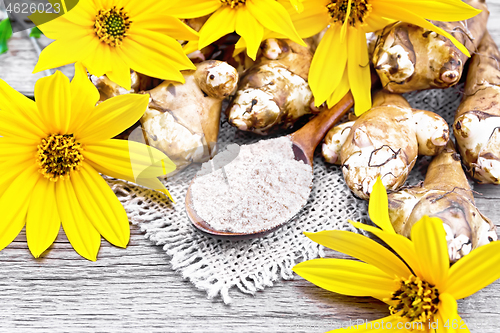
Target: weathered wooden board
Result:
[16, 66]
[135, 290]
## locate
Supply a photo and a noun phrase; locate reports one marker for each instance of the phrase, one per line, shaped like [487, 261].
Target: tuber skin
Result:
[274, 93]
[182, 120]
[449, 198]
[384, 141]
[408, 57]
[108, 88]
[477, 120]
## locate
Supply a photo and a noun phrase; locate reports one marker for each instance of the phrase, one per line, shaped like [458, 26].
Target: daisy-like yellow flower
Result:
[51, 154]
[341, 60]
[417, 282]
[112, 37]
[248, 18]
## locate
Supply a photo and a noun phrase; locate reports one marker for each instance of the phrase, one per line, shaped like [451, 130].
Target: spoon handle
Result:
[311, 134]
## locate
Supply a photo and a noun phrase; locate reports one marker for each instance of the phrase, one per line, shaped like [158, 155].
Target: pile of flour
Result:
[252, 188]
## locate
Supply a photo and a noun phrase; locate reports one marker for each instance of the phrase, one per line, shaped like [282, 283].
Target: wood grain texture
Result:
[135, 290]
[16, 66]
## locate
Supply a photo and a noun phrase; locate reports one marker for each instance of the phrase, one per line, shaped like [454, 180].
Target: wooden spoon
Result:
[305, 141]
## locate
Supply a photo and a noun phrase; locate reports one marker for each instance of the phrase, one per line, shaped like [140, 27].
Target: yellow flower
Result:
[111, 37]
[51, 154]
[341, 59]
[416, 281]
[249, 18]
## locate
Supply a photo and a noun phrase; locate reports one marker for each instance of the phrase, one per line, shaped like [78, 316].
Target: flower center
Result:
[338, 10]
[417, 300]
[233, 3]
[58, 155]
[111, 26]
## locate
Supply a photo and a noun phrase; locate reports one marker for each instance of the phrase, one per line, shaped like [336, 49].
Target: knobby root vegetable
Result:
[477, 121]
[384, 141]
[274, 93]
[182, 120]
[446, 194]
[408, 57]
[108, 88]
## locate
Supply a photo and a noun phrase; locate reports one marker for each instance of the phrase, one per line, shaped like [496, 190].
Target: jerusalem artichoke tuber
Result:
[449, 198]
[477, 121]
[108, 88]
[385, 142]
[408, 57]
[273, 93]
[182, 120]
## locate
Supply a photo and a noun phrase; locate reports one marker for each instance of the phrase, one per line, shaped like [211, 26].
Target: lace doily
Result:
[217, 266]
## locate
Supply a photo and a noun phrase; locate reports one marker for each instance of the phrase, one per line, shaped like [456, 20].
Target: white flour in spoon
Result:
[263, 187]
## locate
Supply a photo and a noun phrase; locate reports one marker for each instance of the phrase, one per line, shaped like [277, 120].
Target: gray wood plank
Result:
[16, 66]
[135, 289]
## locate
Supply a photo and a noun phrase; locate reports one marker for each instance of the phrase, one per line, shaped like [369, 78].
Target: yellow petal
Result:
[311, 20]
[347, 277]
[42, 221]
[128, 159]
[378, 207]
[139, 8]
[154, 44]
[374, 23]
[341, 90]
[358, 66]
[15, 102]
[53, 98]
[362, 248]
[120, 73]
[274, 17]
[327, 66]
[84, 96]
[112, 117]
[190, 47]
[193, 8]
[474, 271]
[12, 168]
[14, 205]
[165, 57]
[101, 206]
[17, 147]
[250, 30]
[82, 235]
[19, 115]
[63, 52]
[298, 5]
[166, 25]
[82, 14]
[400, 244]
[429, 238]
[219, 24]
[64, 26]
[345, 24]
[15, 125]
[155, 184]
[394, 12]
[102, 58]
[241, 44]
[442, 10]
[447, 315]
